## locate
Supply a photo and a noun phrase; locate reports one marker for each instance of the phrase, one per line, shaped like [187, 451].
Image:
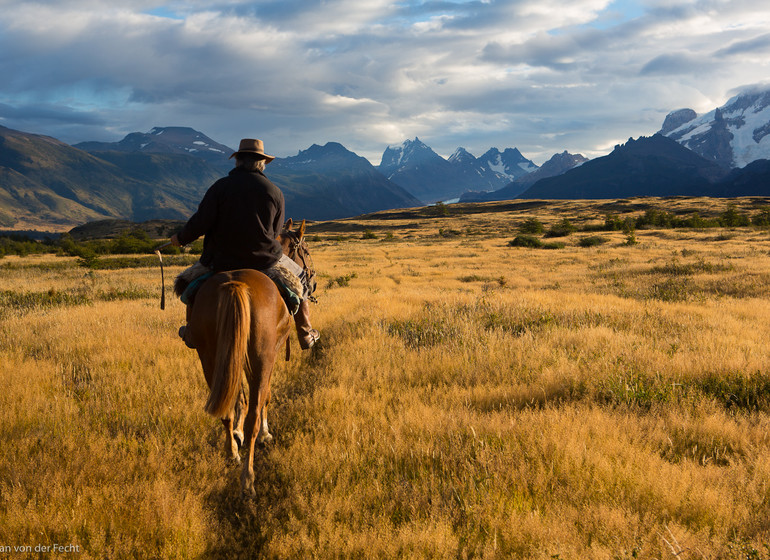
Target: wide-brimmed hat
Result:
[253, 146]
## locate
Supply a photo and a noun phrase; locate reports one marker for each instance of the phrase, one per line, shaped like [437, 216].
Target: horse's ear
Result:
[302, 229]
[287, 225]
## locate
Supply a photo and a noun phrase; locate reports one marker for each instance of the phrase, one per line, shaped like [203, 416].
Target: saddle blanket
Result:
[289, 285]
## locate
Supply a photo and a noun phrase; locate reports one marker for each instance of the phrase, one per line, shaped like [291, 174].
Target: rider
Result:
[241, 216]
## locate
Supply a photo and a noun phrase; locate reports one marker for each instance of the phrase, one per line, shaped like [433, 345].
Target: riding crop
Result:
[162, 280]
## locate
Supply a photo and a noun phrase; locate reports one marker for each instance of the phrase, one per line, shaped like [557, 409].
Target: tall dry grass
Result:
[468, 400]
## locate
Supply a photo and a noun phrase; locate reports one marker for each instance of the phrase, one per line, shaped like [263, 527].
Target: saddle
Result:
[289, 286]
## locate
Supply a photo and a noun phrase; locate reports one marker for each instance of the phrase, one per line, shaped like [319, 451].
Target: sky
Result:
[543, 76]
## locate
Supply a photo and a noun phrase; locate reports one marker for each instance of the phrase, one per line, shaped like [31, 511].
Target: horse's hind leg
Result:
[240, 416]
[231, 445]
[259, 395]
[264, 436]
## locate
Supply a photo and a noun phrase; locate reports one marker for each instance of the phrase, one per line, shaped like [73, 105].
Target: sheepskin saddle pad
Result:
[289, 285]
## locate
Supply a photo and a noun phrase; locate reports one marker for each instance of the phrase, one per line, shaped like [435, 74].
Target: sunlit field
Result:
[468, 399]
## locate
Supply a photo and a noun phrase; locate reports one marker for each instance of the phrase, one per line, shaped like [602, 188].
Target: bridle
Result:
[298, 251]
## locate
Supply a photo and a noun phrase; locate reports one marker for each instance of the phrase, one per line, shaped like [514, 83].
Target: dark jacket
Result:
[241, 216]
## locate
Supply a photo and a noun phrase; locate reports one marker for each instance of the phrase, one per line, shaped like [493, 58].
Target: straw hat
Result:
[253, 146]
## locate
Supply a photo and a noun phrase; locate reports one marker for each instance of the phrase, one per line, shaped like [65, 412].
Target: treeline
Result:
[660, 219]
[651, 219]
[134, 242]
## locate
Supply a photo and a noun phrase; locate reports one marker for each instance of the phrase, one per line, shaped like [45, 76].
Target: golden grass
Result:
[468, 399]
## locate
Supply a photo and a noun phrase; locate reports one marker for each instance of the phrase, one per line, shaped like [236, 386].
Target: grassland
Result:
[468, 399]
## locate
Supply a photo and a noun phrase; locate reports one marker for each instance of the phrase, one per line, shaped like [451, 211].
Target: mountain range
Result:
[720, 153]
[648, 166]
[557, 165]
[47, 184]
[431, 178]
[162, 174]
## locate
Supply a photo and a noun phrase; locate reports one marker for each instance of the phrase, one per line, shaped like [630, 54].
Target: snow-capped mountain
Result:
[168, 140]
[492, 170]
[424, 173]
[421, 171]
[733, 135]
[558, 164]
[510, 163]
[411, 152]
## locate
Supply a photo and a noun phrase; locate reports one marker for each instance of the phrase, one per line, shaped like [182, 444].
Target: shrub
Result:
[439, 209]
[87, 257]
[369, 234]
[762, 219]
[341, 281]
[592, 241]
[561, 229]
[614, 223]
[525, 241]
[136, 241]
[695, 221]
[655, 218]
[732, 218]
[532, 226]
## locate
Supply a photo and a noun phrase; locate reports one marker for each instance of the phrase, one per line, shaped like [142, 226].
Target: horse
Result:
[237, 323]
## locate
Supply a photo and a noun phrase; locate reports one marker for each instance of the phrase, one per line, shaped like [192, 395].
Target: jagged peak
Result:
[461, 155]
[677, 118]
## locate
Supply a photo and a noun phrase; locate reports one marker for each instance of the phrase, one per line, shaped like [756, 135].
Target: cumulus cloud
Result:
[542, 75]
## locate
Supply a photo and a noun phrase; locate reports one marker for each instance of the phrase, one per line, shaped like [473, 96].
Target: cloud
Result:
[758, 45]
[674, 64]
[542, 75]
[49, 113]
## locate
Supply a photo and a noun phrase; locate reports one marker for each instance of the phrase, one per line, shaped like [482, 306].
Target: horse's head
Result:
[295, 247]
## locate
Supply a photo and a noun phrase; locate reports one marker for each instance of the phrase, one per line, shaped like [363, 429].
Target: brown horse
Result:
[237, 323]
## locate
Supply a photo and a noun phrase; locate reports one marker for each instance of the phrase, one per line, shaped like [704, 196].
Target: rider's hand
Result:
[175, 241]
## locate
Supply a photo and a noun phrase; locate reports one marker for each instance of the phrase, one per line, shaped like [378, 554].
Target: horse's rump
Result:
[235, 314]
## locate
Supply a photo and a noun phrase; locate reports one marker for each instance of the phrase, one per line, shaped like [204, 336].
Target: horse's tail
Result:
[233, 329]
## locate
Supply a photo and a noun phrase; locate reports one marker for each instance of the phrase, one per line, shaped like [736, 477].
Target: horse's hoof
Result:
[265, 439]
[238, 436]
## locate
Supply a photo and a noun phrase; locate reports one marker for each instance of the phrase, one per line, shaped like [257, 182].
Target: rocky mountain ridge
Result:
[180, 140]
[557, 165]
[652, 166]
[431, 178]
[732, 135]
[48, 185]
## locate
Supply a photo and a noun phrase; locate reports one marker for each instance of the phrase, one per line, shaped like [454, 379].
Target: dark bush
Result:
[561, 229]
[732, 218]
[525, 241]
[592, 241]
[531, 226]
[762, 218]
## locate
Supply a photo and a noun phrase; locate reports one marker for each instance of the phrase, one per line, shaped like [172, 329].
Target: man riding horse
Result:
[241, 217]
